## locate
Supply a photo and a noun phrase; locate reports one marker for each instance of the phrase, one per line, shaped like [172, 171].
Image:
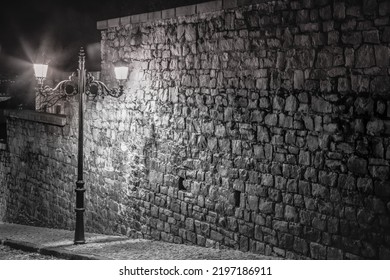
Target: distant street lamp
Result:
[86, 84]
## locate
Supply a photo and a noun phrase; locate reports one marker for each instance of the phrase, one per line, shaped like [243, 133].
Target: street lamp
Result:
[78, 83]
[40, 71]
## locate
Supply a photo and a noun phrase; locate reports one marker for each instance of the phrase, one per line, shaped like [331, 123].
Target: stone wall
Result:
[39, 162]
[38, 169]
[4, 171]
[262, 128]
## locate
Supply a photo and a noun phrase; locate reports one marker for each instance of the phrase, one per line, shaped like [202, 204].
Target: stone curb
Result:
[57, 252]
[65, 254]
[21, 245]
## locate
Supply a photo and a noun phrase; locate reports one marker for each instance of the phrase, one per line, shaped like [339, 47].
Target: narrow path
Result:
[7, 253]
[60, 243]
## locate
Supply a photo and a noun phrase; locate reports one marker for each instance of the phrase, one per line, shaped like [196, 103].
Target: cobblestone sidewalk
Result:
[7, 253]
[59, 243]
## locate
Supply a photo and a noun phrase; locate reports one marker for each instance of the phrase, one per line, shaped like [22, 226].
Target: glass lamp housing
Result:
[121, 73]
[40, 70]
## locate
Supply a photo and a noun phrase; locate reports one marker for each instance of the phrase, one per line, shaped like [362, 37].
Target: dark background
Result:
[53, 31]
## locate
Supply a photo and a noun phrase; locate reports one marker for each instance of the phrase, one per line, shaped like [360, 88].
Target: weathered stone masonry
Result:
[262, 128]
[37, 170]
[269, 126]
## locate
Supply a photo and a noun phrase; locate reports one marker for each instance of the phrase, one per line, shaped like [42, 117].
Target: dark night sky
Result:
[31, 31]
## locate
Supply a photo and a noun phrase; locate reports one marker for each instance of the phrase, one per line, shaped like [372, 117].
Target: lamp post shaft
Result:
[80, 209]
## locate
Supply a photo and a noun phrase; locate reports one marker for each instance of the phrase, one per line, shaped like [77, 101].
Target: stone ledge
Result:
[169, 13]
[58, 120]
[205, 7]
[209, 7]
[186, 10]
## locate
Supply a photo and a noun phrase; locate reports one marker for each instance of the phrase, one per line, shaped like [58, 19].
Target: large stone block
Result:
[253, 202]
[291, 213]
[380, 85]
[299, 79]
[360, 83]
[286, 241]
[301, 246]
[319, 223]
[375, 127]
[382, 188]
[320, 191]
[320, 105]
[365, 217]
[380, 172]
[266, 207]
[271, 119]
[334, 254]
[382, 56]
[324, 59]
[209, 7]
[267, 180]
[386, 34]
[364, 106]
[185, 10]
[357, 165]
[304, 158]
[365, 57]
[365, 185]
[263, 134]
[302, 41]
[328, 179]
[339, 10]
[312, 143]
[333, 225]
[371, 36]
[370, 7]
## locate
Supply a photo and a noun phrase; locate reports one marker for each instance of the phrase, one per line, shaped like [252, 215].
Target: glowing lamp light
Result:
[121, 73]
[40, 70]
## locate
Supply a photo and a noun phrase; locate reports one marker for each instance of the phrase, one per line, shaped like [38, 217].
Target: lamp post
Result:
[86, 84]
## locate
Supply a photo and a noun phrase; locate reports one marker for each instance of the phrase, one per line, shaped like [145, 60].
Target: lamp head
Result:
[40, 71]
[121, 73]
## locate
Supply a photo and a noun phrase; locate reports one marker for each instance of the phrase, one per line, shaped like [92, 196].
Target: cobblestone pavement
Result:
[141, 249]
[60, 243]
[7, 253]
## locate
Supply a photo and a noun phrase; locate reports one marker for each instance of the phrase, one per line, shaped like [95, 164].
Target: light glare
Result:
[40, 70]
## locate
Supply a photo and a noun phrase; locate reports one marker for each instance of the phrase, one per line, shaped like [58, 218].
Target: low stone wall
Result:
[39, 163]
[4, 171]
[38, 168]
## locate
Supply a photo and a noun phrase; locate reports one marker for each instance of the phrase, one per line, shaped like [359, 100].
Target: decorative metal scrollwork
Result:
[48, 97]
[95, 88]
